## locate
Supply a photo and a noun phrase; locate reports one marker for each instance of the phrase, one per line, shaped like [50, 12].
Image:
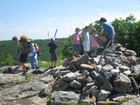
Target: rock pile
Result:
[80, 80]
[84, 80]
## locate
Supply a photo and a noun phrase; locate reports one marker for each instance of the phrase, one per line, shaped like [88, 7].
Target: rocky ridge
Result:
[78, 80]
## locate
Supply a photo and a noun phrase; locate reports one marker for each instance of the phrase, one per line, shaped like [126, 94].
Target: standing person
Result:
[86, 41]
[109, 31]
[94, 44]
[76, 42]
[33, 57]
[22, 56]
[52, 51]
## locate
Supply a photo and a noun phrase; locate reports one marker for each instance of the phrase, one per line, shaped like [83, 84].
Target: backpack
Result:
[27, 44]
[10, 70]
[38, 52]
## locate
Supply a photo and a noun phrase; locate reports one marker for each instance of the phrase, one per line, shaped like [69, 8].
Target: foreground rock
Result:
[64, 97]
[21, 91]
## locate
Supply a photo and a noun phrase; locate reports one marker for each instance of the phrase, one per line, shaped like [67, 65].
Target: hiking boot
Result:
[50, 67]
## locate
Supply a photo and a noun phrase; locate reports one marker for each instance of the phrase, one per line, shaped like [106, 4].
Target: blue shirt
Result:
[53, 47]
[109, 29]
[86, 38]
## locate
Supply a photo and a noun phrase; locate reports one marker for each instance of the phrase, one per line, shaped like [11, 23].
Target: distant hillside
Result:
[8, 47]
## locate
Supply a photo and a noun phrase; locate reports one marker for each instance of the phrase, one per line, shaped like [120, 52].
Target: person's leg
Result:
[55, 64]
[35, 61]
[100, 40]
[23, 58]
[52, 64]
[77, 54]
[32, 60]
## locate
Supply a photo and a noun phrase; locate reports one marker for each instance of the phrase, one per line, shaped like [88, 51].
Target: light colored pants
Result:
[34, 62]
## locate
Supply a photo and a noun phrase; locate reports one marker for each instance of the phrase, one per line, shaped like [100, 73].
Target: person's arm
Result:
[105, 33]
[70, 37]
[20, 50]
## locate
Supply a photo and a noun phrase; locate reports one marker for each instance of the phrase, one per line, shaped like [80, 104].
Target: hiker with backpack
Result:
[33, 56]
[52, 51]
[76, 42]
[22, 56]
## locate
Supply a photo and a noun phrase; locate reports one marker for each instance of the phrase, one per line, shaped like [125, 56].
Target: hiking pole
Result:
[48, 36]
[104, 51]
[55, 33]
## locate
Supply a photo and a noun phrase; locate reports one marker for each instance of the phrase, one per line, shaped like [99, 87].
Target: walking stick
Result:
[104, 51]
[55, 33]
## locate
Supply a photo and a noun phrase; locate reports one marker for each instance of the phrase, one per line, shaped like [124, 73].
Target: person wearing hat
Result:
[22, 56]
[52, 51]
[93, 43]
[108, 29]
[76, 42]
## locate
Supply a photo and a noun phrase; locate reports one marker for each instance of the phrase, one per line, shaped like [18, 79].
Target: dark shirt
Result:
[53, 47]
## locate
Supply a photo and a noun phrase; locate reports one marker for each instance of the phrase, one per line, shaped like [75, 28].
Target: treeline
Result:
[127, 33]
[8, 49]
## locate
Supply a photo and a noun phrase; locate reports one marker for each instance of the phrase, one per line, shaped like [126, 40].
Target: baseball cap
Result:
[52, 39]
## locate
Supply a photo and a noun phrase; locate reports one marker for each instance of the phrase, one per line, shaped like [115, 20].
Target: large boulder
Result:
[122, 83]
[64, 97]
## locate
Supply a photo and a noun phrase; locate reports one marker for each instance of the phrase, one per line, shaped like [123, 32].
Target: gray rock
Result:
[137, 69]
[108, 74]
[89, 88]
[64, 72]
[128, 72]
[122, 83]
[60, 85]
[47, 79]
[88, 67]
[115, 71]
[103, 95]
[108, 85]
[75, 84]
[98, 68]
[106, 68]
[95, 93]
[124, 68]
[89, 79]
[85, 72]
[47, 89]
[71, 76]
[11, 78]
[130, 53]
[21, 91]
[64, 97]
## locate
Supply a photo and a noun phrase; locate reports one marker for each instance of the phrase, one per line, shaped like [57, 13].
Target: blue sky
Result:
[35, 18]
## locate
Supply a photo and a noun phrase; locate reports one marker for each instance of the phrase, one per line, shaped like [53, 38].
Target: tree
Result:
[8, 61]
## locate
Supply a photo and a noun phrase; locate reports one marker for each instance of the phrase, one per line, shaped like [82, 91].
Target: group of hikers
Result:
[94, 41]
[90, 42]
[27, 47]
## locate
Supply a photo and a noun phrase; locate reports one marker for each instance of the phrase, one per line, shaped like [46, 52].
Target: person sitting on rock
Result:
[94, 44]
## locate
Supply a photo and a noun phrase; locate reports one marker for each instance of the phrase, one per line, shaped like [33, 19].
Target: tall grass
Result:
[48, 64]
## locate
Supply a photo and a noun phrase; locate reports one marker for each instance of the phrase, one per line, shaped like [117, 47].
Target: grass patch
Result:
[0, 87]
[1, 70]
[48, 64]
[121, 101]
[49, 99]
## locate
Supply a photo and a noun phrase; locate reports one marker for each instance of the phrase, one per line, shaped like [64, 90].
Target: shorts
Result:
[23, 57]
[53, 57]
[86, 46]
[77, 47]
